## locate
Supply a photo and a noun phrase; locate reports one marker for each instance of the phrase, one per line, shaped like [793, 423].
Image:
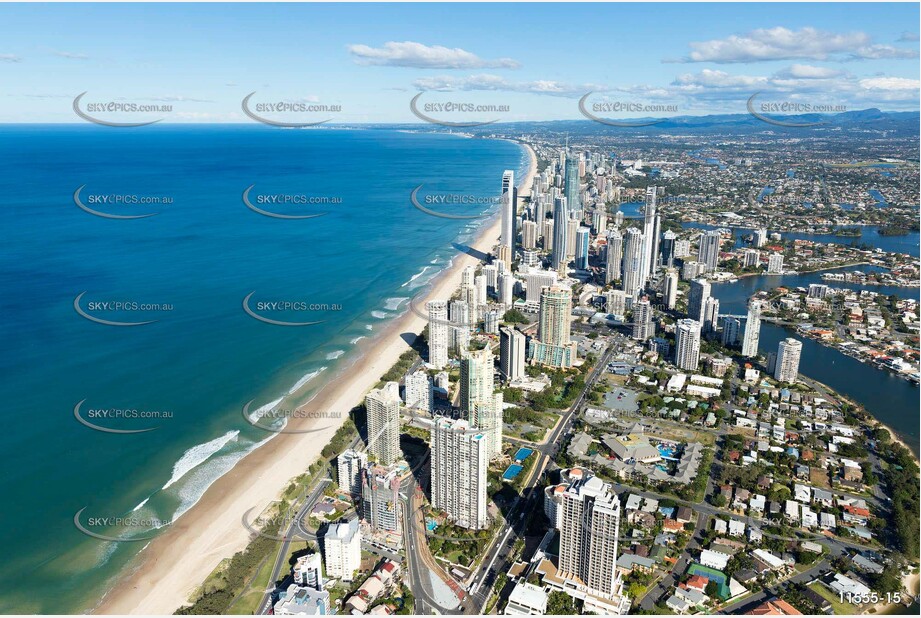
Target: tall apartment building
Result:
[509, 200]
[589, 530]
[560, 250]
[633, 281]
[616, 302]
[752, 330]
[552, 346]
[731, 329]
[418, 391]
[786, 367]
[697, 298]
[642, 320]
[512, 353]
[349, 465]
[383, 409]
[687, 344]
[711, 314]
[775, 264]
[651, 224]
[478, 399]
[342, 550]
[380, 498]
[670, 289]
[708, 252]
[438, 333]
[459, 463]
[614, 256]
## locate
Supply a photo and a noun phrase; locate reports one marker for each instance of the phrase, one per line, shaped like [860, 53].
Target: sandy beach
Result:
[168, 570]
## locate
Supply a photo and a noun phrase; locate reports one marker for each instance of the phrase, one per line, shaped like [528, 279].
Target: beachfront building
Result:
[380, 499]
[512, 353]
[560, 235]
[348, 467]
[459, 464]
[786, 367]
[341, 546]
[438, 333]
[308, 571]
[300, 601]
[509, 199]
[418, 391]
[480, 404]
[552, 346]
[383, 410]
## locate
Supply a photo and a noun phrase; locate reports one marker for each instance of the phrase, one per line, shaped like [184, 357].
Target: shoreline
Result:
[170, 568]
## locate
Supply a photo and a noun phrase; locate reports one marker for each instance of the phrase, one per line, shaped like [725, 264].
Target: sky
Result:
[364, 63]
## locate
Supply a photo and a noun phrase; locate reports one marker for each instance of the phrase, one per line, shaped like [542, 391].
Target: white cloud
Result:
[909, 37]
[10, 58]
[806, 71]
[890, 84]
[71, 55]
[420, 56]
[500, 84]
[767, 44]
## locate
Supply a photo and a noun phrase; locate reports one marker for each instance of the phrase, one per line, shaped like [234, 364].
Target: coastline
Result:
[171, 567]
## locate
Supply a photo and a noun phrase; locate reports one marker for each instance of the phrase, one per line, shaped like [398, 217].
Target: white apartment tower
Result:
[349, 465]
[786, 366]
[480, 404]
[383, 408]
[438, 333]
[342, 550]
[552, 345]
[459, 464]
[752, 330]
[589, 528]
[418, 391]
[687, 345]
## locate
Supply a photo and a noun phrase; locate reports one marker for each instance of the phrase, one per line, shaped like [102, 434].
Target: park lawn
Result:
[840, 609]
[247, 604]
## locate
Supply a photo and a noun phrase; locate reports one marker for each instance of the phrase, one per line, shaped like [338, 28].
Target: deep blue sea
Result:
[203, 358]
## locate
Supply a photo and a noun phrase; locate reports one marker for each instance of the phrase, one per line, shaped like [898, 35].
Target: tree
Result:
[712, 589]
[560, 604]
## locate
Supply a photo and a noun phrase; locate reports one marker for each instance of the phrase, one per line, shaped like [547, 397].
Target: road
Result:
[294, 532]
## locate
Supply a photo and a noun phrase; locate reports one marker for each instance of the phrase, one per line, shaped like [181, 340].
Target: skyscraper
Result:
[731, 329]
[708, 253]
[418, 391]
[687, 345]
[506, 289]
[589, 529]
[614, 256]
[571, 184]
[383, 408]
[459, 465]
[752, 330]
[380, 499]
[633, 263]
[560, 231]
[348, 467]
[478, 399]
[669, 240]
[650, 237]
[671, 289]
[697, 298]
[642, 320]
[552, 345]
[711, 314]
[459, 331]
[529, 235]
[616, 302]
[438, 333]
[509, 199]
[582, 241]
[342, 550]
[786, 367]
[511, 353]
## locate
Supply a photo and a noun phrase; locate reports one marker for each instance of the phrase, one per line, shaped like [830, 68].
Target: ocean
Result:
[187, 375]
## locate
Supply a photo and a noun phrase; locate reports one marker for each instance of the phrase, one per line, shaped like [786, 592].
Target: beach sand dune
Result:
[169, 570]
